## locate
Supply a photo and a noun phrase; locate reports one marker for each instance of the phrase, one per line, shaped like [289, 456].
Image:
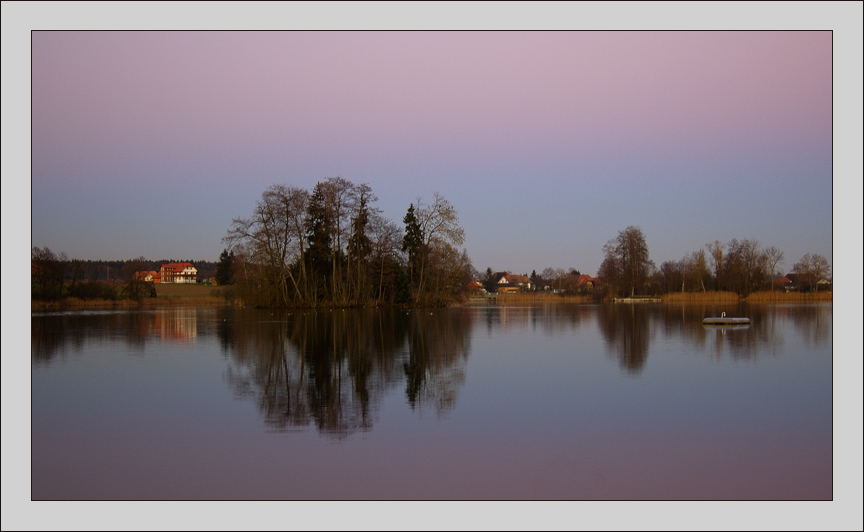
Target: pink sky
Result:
[532, 131]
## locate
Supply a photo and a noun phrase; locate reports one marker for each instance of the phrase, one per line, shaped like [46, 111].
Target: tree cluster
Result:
[54, 276]
[740, 266]
[626, 267]
[331, 247]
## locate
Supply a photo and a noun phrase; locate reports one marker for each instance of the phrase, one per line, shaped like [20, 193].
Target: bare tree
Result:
[773, 257]
[715, 250]
[671, 276]
[744, 266]
[441, 235]
[275, 239]
[693, 269]
[339, 200]
[386, 241]
[627, 261]
[699, 268]
[812, 268]
[46, 273]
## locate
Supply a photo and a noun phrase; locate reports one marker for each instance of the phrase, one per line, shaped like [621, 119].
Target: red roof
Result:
[177, 266]
[584, 279]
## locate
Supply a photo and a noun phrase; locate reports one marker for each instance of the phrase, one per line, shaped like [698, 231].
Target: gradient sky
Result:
[547, 143]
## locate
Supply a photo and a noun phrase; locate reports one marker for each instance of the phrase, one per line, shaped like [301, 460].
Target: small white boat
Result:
[723, 320]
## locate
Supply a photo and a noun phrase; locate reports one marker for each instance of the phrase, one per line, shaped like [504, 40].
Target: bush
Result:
[95, 290]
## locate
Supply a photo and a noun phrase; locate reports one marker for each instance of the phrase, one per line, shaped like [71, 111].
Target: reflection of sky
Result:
[547, 144]
[543, 408]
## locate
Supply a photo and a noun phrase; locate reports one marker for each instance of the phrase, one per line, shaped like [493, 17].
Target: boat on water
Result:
[723, 320]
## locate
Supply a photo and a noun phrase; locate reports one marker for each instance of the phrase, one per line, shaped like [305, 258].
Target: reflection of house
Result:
[511, 283]
[176, 324]
[178, 272]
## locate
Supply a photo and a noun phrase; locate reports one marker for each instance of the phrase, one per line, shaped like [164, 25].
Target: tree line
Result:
[332, 247]
[739, 266]
[53, 276]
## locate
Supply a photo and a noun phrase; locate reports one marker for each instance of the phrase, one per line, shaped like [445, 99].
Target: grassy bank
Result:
[170, 290]
[172, 295]
[529, 298]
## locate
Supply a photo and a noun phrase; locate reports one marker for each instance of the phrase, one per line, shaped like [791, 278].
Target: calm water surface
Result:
[555, 402]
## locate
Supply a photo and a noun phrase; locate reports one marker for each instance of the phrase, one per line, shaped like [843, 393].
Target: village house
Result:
[583, 283]
[146, 276]
[505, 282]
[475, 286]
[178, 272]
[783, 282]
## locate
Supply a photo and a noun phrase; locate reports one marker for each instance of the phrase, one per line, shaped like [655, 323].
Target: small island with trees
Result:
[331, 247]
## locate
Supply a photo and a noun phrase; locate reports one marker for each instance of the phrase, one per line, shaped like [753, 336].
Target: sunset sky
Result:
[547, 143]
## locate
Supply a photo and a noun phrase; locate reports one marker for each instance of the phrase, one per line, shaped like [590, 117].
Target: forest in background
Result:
[331, 247]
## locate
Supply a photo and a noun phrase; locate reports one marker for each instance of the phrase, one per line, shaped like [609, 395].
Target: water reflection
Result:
[155, 404]
[332, 368]
[57, 334]
[626, 330]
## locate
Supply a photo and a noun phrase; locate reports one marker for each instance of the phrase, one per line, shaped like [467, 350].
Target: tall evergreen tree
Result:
[319, 228]
[359, 243]
[224, 268]
[412, 242]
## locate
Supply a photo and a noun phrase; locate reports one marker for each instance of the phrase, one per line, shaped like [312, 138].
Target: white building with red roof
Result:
[178, 272]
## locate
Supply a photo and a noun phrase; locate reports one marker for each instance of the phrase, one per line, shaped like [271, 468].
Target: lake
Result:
[549, 402]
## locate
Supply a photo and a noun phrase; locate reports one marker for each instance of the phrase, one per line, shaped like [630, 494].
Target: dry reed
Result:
[700, 297]
[787, 297]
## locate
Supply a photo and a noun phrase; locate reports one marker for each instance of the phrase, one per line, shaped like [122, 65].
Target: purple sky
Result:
[547, 143]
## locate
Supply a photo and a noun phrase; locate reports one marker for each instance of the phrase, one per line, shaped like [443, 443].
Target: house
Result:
[146, 276]
[803, 283]
[783, 282]
[178, 272]
[583, 283]
[505, 282]
[475, 287]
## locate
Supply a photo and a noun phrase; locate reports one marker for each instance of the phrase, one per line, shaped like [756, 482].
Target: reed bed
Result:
[788, 297]
[700, 297]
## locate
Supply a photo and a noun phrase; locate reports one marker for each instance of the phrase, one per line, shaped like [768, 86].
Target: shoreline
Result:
[679, 298]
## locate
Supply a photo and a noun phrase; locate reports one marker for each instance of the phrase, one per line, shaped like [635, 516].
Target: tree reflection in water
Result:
[332, 368]
[625, 328]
